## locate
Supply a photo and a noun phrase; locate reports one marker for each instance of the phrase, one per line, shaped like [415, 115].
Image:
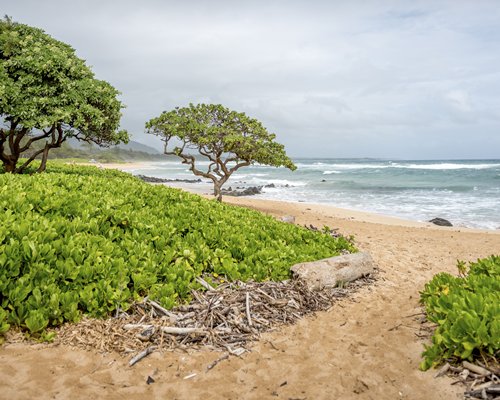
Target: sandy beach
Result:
[364, 347]
[371, 126]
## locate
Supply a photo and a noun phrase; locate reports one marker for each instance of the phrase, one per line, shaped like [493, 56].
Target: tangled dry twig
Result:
[225, 318]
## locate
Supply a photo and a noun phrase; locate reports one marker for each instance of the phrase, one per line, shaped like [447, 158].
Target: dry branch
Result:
[247, 308]
[225, 318]
[141, 355]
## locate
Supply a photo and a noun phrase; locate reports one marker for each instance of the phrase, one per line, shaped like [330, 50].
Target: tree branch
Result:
[204, 152]
[19, 136]
[35, 138]
[187, 159]
[11, 140]
[56, 141]
[28, 161]
[238, 166]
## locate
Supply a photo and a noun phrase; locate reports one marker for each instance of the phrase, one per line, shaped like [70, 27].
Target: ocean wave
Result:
[278, 182]
[331, 172]
[432, 166]
[462, 210]
[326, 167]
[444, 166]
[251, 175]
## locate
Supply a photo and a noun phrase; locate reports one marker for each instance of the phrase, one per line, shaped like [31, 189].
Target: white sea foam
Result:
[244, 176]
[321, 167]
[442, 166]
[354, 166]
[421, 205]
[331, 172]
[278, 182]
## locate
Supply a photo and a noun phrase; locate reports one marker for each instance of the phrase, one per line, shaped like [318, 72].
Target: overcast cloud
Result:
[391, 79]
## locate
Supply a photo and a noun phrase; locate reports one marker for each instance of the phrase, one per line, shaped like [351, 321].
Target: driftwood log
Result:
[334, 271]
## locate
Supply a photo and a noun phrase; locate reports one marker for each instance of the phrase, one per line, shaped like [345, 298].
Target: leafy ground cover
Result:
[466, 310]
[82, 240]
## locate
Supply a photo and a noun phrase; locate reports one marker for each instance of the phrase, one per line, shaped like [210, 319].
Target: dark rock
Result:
[323, 180]
[271, 185]
[152, 179]
[250, 191]
[441, 222]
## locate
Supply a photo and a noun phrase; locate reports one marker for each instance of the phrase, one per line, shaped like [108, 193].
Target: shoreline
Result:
[255, 202]
[282, 208]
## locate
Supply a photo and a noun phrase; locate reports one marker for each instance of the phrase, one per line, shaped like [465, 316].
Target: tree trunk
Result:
[218, 191]
[9, 164]
[45, 155]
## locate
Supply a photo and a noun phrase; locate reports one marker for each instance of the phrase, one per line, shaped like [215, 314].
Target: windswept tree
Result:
[48, 94]
[229, 140]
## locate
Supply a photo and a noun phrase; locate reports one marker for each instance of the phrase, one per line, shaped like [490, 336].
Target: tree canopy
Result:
[47, 93]
[228, 139]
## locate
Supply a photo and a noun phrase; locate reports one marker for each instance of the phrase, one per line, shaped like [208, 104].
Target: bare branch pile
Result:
[225, 318]
[482, 381]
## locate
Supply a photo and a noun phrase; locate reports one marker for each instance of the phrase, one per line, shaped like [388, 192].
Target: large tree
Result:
[48, 94]
[228, 139]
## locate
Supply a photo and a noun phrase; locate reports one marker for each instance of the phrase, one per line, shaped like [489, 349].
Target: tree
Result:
[228, 139]
[48, 94]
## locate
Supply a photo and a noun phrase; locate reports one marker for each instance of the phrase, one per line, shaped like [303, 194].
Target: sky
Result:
[383, 79]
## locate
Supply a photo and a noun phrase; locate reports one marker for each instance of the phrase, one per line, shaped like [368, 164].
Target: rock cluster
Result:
[152, 179]
[250, 191]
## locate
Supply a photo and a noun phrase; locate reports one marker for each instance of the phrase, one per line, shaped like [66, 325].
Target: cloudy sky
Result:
[390, 79]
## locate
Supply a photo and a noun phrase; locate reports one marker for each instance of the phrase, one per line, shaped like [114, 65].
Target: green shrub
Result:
[82, 240]
[467, 312]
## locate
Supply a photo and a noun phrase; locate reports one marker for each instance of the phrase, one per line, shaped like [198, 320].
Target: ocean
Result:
[465, 192]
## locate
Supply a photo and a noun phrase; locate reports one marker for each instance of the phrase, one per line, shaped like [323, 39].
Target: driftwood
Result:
[487, 392]
[227, 318]
[159, 308]
[128, 327]
[333, 271]
[173, 330]
[204, 283]
[247, 309]
[481, 381]
[443, 370]
[141, 355]
[213, 364]
[476, 369]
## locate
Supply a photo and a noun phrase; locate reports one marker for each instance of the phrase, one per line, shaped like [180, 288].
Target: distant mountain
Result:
[136, 146]
[73, 149]
[131, 146]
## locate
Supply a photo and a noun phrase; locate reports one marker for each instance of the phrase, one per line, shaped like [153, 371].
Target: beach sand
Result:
[364, 347]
